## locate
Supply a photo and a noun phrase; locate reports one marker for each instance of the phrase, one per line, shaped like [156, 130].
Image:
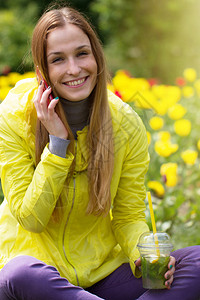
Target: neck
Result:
[77, 113]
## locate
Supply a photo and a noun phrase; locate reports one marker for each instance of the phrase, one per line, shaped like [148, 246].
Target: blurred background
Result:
[151, 38]
[153, 53]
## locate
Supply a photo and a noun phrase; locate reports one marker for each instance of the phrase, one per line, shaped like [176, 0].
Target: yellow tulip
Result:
[176, 112]
[182, 127]
[167, 93]
[161, 107]
[172, 95]
[197, 86]
[127, 94]
[169, 173]
[167, 96]
[139, 84]
[157, 187]
[189, 156]
[164, 136]
[110, 87]
[121, 80]
[13, 77]
[156, 123]
[145, 99]
[4, 81]
[188, 91]
[190, 74]
[165, 148]
[159, 90]
[28, 75]
[149, 137]
[133, 89]
[198, 144]
[171, 180]
[3, 92]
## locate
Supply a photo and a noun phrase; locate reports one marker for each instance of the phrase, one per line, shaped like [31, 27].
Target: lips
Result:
[74, 83]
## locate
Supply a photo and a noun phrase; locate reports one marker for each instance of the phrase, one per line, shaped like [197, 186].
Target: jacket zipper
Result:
[74, 183]
[64, 233]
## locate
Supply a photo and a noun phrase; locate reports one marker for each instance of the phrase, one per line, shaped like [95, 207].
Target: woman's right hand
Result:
[46, 112]
[169, 275]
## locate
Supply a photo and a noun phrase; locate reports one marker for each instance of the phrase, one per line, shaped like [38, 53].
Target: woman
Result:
[72, 172]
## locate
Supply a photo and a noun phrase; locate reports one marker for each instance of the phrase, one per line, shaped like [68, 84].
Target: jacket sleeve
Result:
[31, 192]
[129, 207]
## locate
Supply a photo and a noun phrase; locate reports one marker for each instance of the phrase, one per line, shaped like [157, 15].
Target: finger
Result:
[47, 109]
[171, 270]
[172, 262]
[168, 283]
[171, 267]
[170, 273]
[44, 102]
[41, 102]
[47, 91]
[138, 262]
[52, 105]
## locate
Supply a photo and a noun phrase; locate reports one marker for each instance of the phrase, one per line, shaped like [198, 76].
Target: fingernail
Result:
[56, 98]
[41, 82]
[48, 87]
[171, 266]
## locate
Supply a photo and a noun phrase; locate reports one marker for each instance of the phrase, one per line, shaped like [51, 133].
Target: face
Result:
[71, 64]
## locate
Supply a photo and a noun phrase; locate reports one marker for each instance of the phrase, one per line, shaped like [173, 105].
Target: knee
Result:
[19, 269]
[187, 253]
[189, 256]
[194, 256]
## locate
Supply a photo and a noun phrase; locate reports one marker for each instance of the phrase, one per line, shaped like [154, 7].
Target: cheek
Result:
[53, 75]
[50, 71]
[91, 66]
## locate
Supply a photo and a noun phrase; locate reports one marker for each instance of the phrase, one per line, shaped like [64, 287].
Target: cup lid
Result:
[147, 240]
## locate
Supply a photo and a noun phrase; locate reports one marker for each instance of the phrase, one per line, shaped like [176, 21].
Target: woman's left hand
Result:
[169, 275]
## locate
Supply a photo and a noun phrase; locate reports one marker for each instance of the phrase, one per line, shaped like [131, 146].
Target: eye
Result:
[82, 53]
[57, 59]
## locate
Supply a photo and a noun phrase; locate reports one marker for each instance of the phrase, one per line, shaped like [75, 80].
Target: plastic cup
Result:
[154, 260]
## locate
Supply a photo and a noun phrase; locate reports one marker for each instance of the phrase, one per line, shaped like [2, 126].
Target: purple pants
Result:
[26, 278]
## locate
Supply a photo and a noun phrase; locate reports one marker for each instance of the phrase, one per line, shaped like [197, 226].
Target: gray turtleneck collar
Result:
[77, 113]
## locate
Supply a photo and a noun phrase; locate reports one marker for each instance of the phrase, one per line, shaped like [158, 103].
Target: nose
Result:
[72, 67]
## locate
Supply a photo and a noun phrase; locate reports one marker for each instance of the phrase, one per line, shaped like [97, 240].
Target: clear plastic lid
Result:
[147, 240]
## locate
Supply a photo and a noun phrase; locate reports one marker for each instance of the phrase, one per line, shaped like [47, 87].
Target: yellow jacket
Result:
[84, 248]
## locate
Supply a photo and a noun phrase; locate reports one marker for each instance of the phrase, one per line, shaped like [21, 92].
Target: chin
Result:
[78, 97]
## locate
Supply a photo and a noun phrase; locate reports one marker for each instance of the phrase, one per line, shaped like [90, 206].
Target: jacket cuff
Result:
[58, 146]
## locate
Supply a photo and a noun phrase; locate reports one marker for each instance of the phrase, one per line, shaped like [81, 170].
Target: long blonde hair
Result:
[100, 132]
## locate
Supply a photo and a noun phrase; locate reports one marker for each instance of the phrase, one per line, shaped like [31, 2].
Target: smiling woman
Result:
[72, 170]
[71, 64]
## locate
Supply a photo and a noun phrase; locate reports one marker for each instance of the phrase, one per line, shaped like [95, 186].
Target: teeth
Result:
[75, 82]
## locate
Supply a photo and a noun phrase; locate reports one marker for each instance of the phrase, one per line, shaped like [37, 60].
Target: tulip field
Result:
[170, 114]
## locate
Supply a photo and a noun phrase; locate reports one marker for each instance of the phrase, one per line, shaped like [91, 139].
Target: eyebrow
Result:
[77, 49]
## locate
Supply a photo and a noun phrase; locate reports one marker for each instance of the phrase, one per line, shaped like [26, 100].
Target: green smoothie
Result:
[153, 271]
